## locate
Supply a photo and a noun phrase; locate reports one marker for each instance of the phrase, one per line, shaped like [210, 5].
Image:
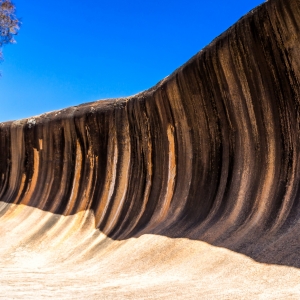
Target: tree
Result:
[9, 23]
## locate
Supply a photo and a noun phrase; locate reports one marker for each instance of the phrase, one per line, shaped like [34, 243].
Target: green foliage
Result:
[9, 23]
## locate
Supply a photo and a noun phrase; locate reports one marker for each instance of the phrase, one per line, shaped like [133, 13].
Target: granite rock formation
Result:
[211, 154]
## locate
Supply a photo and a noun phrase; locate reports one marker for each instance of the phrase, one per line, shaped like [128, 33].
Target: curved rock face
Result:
[209, 154]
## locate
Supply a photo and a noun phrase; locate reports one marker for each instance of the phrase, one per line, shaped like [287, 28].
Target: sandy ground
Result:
[51, 256]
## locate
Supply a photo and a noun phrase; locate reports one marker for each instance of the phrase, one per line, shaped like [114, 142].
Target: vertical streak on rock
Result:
[141, 170]
[57, 171]
[87, 195]
[263, 206]
[34, 180]
[76, 180]
[269, 143]
[5, 163]
[41, 144]
[110, 177]
[171, 175]
[17, 161]
[22, 185]
[183, 152]
[123, 173]
[164, 162]
[239, 191]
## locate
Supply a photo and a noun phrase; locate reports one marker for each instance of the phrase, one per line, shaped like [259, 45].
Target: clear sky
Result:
[70, 52]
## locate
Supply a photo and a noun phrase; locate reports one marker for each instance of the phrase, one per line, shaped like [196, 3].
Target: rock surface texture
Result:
[188, 190]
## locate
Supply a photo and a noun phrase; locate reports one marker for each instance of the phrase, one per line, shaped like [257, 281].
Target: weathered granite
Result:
[211, 153]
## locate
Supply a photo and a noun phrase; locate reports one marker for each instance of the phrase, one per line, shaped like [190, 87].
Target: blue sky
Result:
[70, 52]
